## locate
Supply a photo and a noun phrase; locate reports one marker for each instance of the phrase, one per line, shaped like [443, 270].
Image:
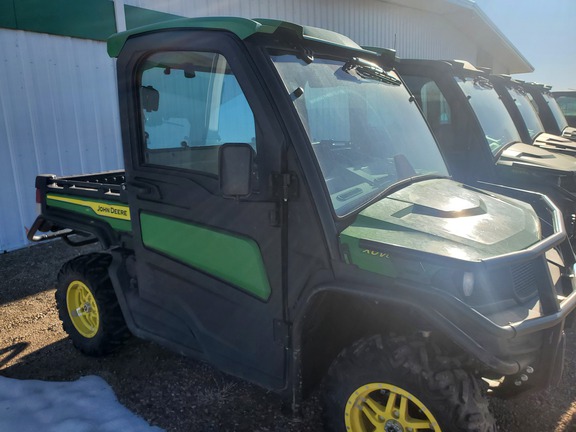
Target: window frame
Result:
[143, 148]
[246, 62]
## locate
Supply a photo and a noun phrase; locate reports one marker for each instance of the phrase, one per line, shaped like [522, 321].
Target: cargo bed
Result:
[93, 206]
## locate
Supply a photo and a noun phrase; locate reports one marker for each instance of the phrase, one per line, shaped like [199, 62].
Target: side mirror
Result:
[235, 170]
[150, 98]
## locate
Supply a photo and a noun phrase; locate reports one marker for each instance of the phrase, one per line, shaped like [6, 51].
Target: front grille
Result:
[524, 279]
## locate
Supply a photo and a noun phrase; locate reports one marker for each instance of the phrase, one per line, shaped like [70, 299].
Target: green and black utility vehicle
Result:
[478, 137]
[550, 112]
[285, 214]
[567, 102]
[519, 104]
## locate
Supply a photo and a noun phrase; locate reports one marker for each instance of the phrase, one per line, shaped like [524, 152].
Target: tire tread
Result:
[92, 269]
[457, 393]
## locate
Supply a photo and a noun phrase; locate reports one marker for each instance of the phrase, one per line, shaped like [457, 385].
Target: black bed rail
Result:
[107, 185]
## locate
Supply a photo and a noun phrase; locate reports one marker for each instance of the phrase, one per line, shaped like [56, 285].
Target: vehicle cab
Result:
[289, 218]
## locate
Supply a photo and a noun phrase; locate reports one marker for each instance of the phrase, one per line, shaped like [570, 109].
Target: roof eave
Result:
[466, 16]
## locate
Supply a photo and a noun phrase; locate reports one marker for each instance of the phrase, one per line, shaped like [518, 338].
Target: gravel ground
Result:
[179, 394]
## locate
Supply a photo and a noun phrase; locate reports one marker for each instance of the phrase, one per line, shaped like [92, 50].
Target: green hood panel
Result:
[570, 133]
[546, 139]
[536, 158]
[443, 217]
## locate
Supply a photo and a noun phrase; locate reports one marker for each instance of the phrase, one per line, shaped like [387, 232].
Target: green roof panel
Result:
[241, 27]
[7, 15]
[86, 19]
[138, 17]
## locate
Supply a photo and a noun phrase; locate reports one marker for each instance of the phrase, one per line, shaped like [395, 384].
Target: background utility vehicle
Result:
[286, 215]
[519, 104]
[478, 137]
[550, 113]
[567, 102]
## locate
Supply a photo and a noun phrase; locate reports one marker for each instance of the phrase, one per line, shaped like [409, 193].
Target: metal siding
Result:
[58, 114]
[414, 33]
[58, 110]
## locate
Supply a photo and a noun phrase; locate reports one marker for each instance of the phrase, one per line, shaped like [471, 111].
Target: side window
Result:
[191, 104]
[434, 105]
[567, 105]
[438, 113]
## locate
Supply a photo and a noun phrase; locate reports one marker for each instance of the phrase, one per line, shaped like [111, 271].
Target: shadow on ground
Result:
[11, 352]
[170, 391]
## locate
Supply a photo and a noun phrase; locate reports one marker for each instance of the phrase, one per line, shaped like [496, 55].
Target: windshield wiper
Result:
[483, 82]
[368, 70]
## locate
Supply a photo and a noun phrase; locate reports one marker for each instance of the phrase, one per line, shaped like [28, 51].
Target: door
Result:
[208, 267]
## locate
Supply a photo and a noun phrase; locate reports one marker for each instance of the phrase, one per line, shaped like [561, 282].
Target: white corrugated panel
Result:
[414, 33]
[58, 102]
[58, 114]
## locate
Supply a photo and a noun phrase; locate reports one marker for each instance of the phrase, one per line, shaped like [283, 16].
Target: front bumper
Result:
[522, 340]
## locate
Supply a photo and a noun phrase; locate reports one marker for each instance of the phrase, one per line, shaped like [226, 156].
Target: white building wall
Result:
[58, 115]
[58, 101]
[414, 33]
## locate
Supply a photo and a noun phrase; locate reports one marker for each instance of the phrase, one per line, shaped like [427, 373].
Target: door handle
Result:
[145, 190]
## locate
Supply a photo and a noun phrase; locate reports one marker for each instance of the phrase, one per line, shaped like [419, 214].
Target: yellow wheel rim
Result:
[82, 309]
[379, 407]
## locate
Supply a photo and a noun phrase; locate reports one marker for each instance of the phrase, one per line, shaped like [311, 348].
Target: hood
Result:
[443, 217]
[537, 159]
[569, 132]
[555, 142]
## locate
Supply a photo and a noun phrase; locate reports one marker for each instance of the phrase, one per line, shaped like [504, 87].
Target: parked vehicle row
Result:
[287, 214]
[550, 112]
[567, 103]
[520, 105]
[480, 131]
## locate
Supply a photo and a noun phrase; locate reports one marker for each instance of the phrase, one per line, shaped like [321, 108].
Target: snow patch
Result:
[86, 405]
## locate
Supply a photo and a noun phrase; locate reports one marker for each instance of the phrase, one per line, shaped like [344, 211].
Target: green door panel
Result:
[232, 258]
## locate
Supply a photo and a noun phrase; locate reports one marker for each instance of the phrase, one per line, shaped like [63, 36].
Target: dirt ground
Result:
[179, 394]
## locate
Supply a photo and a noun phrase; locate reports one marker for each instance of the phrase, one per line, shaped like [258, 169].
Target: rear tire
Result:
[88, 307]
[402, 385]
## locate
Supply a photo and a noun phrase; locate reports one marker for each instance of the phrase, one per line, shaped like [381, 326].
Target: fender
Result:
[75, 224]
[446, 313]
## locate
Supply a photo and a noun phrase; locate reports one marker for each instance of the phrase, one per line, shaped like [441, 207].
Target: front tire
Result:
[88, 307]
[399, 385]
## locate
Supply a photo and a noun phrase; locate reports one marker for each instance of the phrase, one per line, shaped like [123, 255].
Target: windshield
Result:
[365, 132]
[556, 111]
[527, 110]
[567, 103]
[494, 118]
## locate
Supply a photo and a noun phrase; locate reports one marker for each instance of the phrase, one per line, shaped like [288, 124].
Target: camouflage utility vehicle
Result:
[285, 214]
